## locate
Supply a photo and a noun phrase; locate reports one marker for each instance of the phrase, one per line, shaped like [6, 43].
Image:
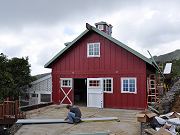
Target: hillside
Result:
[175, 55]
[174, 58]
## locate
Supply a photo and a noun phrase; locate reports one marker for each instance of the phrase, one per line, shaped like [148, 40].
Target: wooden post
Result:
[3, 109]
[16, 109]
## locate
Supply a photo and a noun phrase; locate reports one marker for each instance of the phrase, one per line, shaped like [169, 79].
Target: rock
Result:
[166, 102]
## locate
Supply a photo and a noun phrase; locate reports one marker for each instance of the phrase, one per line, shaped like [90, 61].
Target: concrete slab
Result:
[128, 124]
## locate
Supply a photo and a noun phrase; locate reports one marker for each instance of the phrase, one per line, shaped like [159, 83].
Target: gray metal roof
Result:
[101, 23]
[39, 76]
[91, 28]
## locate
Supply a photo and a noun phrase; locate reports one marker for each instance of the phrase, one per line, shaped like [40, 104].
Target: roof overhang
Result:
[48, 64]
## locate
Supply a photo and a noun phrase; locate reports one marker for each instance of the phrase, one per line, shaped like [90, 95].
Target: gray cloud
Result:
[12, 51]
[39, 28]
[20, 12]
[152, 30]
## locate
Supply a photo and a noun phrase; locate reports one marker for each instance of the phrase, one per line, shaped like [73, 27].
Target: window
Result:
[108, 85]
[66, 82]
[128, 85]
[34, 95]
[94, 83]
[107, 29]
[93, 49]
[100, 27]
[45, 97]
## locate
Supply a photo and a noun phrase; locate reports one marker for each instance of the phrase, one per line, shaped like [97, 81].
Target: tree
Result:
[14, 75]
[175, 68]
[20, 71]
[6, 81]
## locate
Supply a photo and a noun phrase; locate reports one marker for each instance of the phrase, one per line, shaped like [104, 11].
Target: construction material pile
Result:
[167, 124]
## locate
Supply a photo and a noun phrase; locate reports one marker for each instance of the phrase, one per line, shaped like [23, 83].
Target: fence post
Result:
[16, 109]
[3, 109]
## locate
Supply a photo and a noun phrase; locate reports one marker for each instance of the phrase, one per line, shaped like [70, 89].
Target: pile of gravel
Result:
[11, 130]
[144, 126]
[3, 131]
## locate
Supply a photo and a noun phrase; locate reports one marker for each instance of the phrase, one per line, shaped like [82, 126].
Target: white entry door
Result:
[95, 92]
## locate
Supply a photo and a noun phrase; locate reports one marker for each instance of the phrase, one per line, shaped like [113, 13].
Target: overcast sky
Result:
[39, 28]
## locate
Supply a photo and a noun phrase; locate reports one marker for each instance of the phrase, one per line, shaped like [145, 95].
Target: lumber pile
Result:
[165, 124]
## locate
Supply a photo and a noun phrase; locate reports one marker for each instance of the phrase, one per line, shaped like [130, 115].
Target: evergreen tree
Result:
[14, 75]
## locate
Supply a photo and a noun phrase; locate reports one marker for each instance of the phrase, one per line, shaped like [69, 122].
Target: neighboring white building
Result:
[40, 90]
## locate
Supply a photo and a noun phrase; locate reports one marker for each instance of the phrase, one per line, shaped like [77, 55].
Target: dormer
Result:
[103, 26]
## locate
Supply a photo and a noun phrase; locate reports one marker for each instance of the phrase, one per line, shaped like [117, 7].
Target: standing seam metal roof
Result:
[91, 28]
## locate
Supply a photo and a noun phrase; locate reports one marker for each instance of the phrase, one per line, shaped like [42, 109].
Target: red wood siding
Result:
[114, 62]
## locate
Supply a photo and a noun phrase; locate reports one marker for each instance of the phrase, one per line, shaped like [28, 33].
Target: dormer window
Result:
[93, 50]
[100, 27]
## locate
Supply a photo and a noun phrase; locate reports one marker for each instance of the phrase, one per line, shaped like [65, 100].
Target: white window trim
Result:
[101, 27]
[111, 85]
[70, 79]
[93, 50]
[128, 78]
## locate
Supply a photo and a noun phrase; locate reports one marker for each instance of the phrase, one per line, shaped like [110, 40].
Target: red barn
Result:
[99, 71]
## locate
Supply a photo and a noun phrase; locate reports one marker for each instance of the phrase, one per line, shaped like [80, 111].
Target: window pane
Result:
[100, 27]
[94, 49]
[90, 49]
[125, 89]
[132, 89]
[107, 85]
[129, 85]
[90, 53]
[90, 46]
[96, 53]
[45, 97]
[94, 83]
[66, 83]
[132, 81]
[96, 45]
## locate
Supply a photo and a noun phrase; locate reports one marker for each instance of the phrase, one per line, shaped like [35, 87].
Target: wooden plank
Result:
[48, 121]
[9, 101]
[40, 121]
[150, 131]
[10, 116]
[151, 108]
[1, 112]
[98, 133]
[100, 119]
[16, 108]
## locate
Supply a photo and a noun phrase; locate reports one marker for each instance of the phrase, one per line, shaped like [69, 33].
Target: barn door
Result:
[66, 91]
[95, 92]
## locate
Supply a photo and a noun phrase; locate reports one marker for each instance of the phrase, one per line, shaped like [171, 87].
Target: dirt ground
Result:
[127, 125]
[176, 105]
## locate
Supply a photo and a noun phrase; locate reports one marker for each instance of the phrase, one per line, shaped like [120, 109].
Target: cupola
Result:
[103, 26]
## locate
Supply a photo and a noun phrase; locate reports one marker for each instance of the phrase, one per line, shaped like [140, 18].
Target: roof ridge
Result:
[119, 43]
[91, 28]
